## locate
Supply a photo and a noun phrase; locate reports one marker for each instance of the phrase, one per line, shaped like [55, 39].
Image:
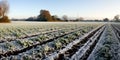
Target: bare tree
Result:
[65, 17]
[80, 19]
[4, 7]
[116, 18]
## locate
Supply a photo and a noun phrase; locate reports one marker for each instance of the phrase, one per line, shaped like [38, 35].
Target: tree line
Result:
[46, 16]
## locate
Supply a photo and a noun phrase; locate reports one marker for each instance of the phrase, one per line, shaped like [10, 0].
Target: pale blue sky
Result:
[89, 9]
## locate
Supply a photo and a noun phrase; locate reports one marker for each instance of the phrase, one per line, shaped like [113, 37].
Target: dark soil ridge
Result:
[116, 30]
[77, 46]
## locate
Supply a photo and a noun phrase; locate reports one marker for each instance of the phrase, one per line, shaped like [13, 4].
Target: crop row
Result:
[108, 46]
[37, 47]
[83, 48]
[41, 35]
[12, 34]
[116, 30]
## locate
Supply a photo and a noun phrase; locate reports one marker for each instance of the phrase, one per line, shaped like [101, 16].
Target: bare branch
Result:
[4, 7]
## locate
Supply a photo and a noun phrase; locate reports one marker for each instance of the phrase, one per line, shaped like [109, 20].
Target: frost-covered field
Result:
[53, 40]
